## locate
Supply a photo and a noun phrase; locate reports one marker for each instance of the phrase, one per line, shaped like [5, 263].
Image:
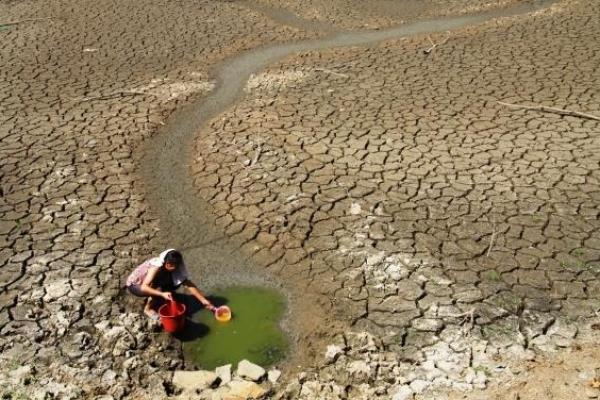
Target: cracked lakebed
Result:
[469, 236]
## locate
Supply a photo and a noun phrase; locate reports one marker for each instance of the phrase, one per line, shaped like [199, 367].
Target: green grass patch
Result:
[482, 368]
[578, 253]
[493, 275]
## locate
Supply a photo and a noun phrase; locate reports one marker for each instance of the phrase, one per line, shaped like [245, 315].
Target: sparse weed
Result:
[538, 217]
[482, 368]
[13, 364]
[493, 275]
[578, 253]
[14, 395]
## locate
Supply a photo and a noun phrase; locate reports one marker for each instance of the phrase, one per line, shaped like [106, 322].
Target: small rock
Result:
[563, 329]
[470, 375]
[418, 386]
[375, 259]
[194, 380]
[254, 372]
[360, 370]
[224, 373]
[237, 389]
[109, 378]
[404, 393]
[302, 377]
[332, 353]
[480, 380]
[586, 375]
[292, 390]
[22, 375]
[56, 290]
[355, 209]
[462, 386]
[274, 375]
[431, 371]
[561, 341]
[428, 324]
[102, 325]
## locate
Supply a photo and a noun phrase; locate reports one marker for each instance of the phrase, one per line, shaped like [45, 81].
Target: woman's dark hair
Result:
[174, 257]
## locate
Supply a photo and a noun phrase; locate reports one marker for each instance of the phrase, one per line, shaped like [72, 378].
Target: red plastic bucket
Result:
[172, 316]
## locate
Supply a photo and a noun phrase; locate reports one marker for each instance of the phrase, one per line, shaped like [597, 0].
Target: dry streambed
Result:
[68, 184]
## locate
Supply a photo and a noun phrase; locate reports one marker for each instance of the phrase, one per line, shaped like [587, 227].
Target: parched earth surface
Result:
[446, 230]
[375, 14]
[81, 87]
[457, 231]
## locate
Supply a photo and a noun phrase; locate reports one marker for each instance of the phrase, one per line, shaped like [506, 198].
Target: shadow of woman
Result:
[194, 330]
[191, 331]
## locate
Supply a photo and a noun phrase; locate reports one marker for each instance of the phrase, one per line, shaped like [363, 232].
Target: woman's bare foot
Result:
[153, 315]
[150, 312]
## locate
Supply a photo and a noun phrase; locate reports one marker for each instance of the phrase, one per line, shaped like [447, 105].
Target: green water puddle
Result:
[253, 333]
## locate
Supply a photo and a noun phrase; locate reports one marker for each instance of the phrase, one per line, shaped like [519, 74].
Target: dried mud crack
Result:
[443, 238]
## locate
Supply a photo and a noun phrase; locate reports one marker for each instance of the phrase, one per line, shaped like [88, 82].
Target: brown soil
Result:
[90, 81]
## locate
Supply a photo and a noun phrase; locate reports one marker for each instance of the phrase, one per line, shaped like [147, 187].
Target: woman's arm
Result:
[149, 290]
[197, 294]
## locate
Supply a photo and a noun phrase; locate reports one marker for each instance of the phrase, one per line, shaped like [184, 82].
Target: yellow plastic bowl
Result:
[223, 314]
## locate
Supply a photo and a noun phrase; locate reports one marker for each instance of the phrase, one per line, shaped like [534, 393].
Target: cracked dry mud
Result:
[376, 14]
[79, 91]
[387, 183]
[455, 230]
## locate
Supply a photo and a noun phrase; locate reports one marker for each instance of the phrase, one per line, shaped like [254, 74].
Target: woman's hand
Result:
[167, 296]
[210, 307]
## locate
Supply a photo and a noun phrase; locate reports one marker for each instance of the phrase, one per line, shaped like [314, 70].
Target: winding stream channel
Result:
[185, 220]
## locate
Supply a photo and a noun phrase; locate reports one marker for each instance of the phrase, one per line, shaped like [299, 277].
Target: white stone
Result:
[194, 380]
[246, 369]
[332, 352]
[442, 381]
[273, 375]
[21, 374]
[224, 373]
[404, 393]
[57, 289]
[359, 369]
[481, 378]
[563, 329]
[355, 209]
[462, 386]
[427, 324]
[238, 389]
[543, 343]
[376, 258]
[560, 341]
[586, 375]
[470, 375]
[109, 378]
[244, 390]
[419, 386]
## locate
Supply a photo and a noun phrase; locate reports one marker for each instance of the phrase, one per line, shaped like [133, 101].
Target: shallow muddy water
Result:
[253, 333]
